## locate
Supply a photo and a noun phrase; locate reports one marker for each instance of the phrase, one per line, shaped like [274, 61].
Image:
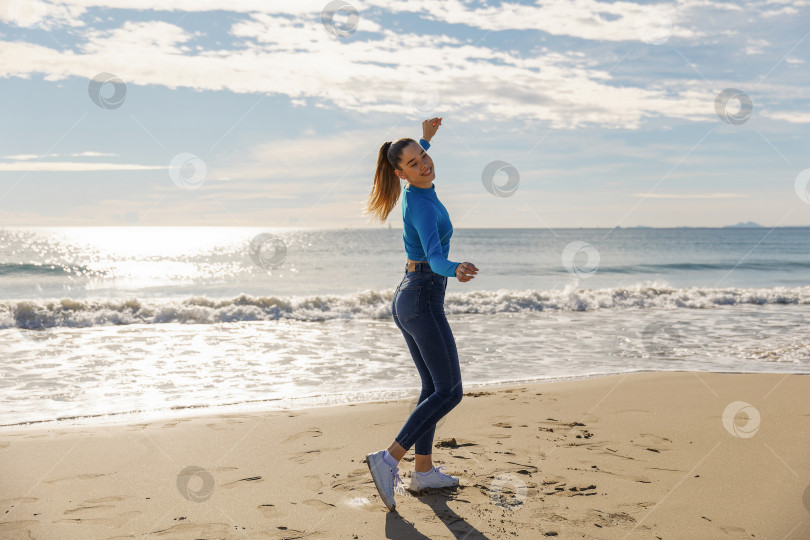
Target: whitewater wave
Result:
[376, 305]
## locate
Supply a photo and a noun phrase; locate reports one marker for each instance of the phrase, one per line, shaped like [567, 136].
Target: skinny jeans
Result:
[418, 311]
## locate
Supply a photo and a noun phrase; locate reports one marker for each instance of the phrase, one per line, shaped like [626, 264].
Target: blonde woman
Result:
[418, 307]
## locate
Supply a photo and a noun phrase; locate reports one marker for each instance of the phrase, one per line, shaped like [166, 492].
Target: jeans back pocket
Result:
[408, 302]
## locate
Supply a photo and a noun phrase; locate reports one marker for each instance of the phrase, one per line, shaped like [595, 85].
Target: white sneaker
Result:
[431, 479]
[386, 478]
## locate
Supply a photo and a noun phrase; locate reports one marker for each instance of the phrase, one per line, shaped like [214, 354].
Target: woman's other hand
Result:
[466, 271]
[430, 126]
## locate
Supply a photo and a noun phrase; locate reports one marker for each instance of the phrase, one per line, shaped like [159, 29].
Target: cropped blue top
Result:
[426, 227]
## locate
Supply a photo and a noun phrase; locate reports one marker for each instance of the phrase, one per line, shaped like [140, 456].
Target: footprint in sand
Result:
[552, 481]
[523, 468]
[77, 477]
[10, 503]
[308, 455]
[657, 438]
[269, 511]
[551, 517]
[236, 483]
[635, 508]
[221, 423]
[736, 532]
[84, 508]
[609, 519]
[17, 529]
[197, 530]
[313, 482]
[558, 485]
[111, 498]
[352, 481]
[311, 432]
[115, 521]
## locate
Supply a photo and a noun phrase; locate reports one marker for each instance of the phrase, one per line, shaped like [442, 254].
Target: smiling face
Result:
[416, 166]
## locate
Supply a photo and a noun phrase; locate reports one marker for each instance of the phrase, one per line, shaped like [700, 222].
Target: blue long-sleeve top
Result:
[427, 228]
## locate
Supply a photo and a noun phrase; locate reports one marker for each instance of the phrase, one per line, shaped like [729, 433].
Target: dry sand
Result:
[643, 455]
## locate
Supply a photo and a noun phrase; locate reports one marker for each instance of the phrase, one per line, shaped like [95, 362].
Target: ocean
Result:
[123, 324]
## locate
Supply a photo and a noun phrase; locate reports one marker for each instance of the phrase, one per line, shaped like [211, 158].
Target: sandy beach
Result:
[643, 455]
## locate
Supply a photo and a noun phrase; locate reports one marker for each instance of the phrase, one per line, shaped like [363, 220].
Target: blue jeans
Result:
[418, 310]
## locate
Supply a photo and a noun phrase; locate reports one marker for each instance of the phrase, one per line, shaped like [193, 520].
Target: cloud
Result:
[586, 19]
[88, 154]
[18, 157]
[73, 166]
[302, 61]
[756, 46]
[793, 117]
[50, 14]
[282, 48]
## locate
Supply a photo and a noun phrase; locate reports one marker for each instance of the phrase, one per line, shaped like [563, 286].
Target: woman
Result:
[418, 307]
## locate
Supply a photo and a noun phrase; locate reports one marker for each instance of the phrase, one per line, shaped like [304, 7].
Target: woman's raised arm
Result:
[429, 128]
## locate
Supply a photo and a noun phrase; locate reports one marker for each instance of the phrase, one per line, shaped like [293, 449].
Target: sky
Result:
[268, 113]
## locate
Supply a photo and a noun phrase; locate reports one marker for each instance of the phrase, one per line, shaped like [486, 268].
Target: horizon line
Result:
[400, 228]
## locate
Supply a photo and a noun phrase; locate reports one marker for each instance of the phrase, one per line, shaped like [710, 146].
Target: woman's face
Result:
[416, 165]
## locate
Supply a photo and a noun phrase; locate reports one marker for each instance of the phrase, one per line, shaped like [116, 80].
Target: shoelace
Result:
[399, 486]
[445, 476]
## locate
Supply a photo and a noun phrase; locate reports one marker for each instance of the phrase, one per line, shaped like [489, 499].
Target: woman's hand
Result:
[430, 126]
[466, 271]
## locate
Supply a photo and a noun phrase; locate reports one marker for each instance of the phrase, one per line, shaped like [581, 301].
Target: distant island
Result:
[747, 224]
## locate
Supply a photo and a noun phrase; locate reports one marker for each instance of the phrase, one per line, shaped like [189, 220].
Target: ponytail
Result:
[387, 185]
